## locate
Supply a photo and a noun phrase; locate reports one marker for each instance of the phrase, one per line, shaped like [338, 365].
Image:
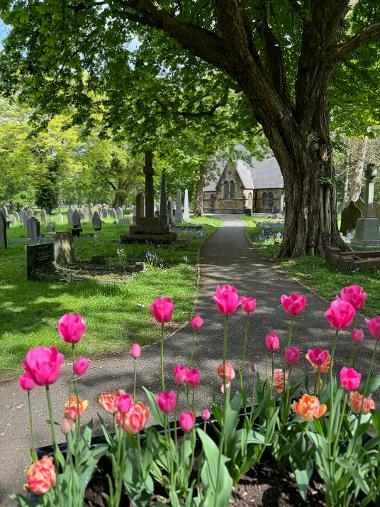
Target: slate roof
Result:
[260, 174]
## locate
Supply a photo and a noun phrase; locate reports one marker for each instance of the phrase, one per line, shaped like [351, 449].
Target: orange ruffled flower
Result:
[278, 380]
[135, 419]
[40, 476]
[308, 408]
[71, 407]
[358, 404]
[108, 401]
[319, 359]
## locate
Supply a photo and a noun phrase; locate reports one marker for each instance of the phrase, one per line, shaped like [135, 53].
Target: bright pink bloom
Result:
[293, 304]
[43, 364]
[180, 374]
[124, 403]
[227, 373]
[357, 335]
[206, 414]
[226, 299]
[292, 354]
[186, 421]
[71, 327]
[340, 314]
[272, 342]
[248, 304]
[135, 350]
[350, 378]
[374, 327]
[26, 381]
[319, 359]
[355, 295]
[196, 322]
[81, 366]
[166, 401]
[162, 309]
[193, 377]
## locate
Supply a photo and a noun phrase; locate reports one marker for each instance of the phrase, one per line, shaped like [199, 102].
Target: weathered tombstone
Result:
[3, 230]
[119, 213]
[50, 227]
[5, 211]
[63, 248]
[29, 212]
[112, 213]
[139, 206]
[60, 218]
[104, 213]
[77, 226]
[70, 216]
[178, 207]
[186, 212]
[349, 216]
[43, 216]
[367, 228]
[90, 212]
[33, 229]
[96, 222]
[170, 212]
[24, 217]
[39, 257]
[163, 200]
[17, 216]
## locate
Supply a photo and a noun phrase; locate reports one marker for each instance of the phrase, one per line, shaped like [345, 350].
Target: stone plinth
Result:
[366, 232]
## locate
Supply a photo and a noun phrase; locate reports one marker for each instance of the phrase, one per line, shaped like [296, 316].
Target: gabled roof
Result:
[260, 174]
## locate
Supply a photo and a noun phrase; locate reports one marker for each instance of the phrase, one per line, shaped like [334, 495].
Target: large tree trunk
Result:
[198, 206]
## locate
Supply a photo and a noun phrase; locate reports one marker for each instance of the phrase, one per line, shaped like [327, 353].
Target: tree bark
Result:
[198, 207]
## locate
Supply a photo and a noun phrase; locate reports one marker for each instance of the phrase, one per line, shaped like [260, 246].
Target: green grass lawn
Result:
[116, 310]
[318, 274]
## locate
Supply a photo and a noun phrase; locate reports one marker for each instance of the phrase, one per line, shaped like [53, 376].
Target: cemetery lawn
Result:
[116, 308]
[316, 273]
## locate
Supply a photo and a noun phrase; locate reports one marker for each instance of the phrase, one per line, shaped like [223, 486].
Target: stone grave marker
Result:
[63, 248]
[60, 218]
[170, 212]
[140, 205]
[39, 257]
[29, 212]
[186, 212]
[77, 226]
[50, 227]
[3, 230]
[104, 213]
[96, 222]
[17, 216]
[178, 207]
[24, 218]
[33, 229]
[119, 213]
[350, 214]
[43, 216]
[112, 213]
[70, 213]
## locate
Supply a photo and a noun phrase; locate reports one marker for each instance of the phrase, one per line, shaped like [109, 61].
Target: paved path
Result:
[227, 257]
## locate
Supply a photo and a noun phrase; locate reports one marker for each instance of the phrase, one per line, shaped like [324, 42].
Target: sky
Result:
[3, 31]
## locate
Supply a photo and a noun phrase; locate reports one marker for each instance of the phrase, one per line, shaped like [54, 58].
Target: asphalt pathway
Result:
[226, 257]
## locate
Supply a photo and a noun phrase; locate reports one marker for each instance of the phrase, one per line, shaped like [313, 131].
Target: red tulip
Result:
[292, 354]
[167, 401]
[71, 327]
[340, 314]
[162, 309]
[135, 350]
[226, 299]
[293, 304]
[81, 366]
[124, 403]
[180, 374]
[357, 335]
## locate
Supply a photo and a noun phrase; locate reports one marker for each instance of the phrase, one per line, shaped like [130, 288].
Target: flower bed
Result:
[315, 447]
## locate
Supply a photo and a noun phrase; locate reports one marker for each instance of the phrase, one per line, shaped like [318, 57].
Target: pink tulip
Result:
[227, 372]
[135, 350]
[340, 314]
[180, 374]
[66, 425]
[166, 401]
[124, 403]
[162, 309]
[81, 366]
[319, 359]
[193, 377]
[226, 299]
[350, 378]
[355, 295]
[374, 327]
[272, 342]
[186, 421]
[196, 322]
[292, 354]
[206, 414]
[26, 382]
[43, 364]
[71, 327]
[357, 335]
[293, 304]
[248, 304]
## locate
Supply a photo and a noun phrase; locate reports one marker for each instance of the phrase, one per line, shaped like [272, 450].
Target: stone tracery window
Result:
[232, 189]
[267, 199]
[226, 190]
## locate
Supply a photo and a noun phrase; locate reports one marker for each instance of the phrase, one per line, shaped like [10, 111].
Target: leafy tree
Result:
[279, 56]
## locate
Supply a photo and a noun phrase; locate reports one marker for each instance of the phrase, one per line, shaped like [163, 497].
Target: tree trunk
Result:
[358, 173]
[198, 207]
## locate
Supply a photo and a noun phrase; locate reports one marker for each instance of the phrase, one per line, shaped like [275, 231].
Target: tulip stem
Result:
[55, 446]
[162, 358]
[192, 349]
[368, 378]
[244, 351]
[135, 379]
[33, 448]
[77, 427]
[331, 386]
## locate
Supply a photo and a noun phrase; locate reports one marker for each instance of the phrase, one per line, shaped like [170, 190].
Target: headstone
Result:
[178, 207]
[43, 216]
[113, 213]
[186, 212]
[17, 216]
[104, 213]
[4, 210]
[60, 218]
[133, 211]
[96, 222]
[119, 213]
[139, 206]
[39, 257]
[77, 226]
[29, 212]
[50, 227]
[70, 213]
[63, 248]
[349, 217]
[24, 218]
[33, 229]
[163, 200]
[3, 230]
[170, 212]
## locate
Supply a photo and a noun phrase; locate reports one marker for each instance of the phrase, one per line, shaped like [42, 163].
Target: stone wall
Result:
[266, 200]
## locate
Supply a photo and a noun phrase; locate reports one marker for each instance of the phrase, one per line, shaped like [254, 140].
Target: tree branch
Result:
[196, 114]
[372, 33]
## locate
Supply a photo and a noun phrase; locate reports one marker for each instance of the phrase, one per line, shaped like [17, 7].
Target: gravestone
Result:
[104, 213]
[186, 212]
[3, 230]
[77, 226]
[17, 216]
[5, 211]
[63, 248]
[178, 207]
[33, 229]
[50, 227]
[119, 213]
[39, 258]
[350, 214]
[112, 213]
[70, 213]
[170, 212]
[43, 216]
[96, 222]
[24, 218]
[60, 218]
[29, 212]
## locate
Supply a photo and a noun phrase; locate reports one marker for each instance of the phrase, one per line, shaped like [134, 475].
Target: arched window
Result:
[232, 189]
[226, 190]
[267, 199]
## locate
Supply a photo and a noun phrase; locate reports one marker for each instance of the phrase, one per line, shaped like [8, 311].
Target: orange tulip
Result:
[71, 407]
[135, 419]
[108, 401]
[358, 404]
[41, 476]
[308, 408]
